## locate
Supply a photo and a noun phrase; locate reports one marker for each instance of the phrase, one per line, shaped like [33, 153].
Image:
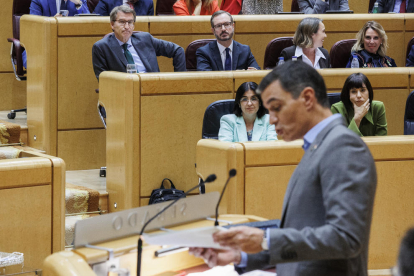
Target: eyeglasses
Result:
[226, 25]
[123, 22]
[253, 99]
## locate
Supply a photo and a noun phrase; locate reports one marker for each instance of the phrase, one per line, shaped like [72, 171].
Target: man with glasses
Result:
[225, 53]
[115, 51]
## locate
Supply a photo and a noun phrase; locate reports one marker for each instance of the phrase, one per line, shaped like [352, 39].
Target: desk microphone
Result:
[232, 173]
[209, 179]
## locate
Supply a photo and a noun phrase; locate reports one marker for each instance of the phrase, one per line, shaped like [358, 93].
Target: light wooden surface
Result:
[268, 167]
[32, 206]
[76, 262]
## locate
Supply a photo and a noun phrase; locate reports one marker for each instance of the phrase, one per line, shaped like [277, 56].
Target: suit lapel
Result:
[116, 48]
[136, 42]
[410, 7]
[235, 56]
[241, 129]
[258, 128]
[52, 7]
[216, 55]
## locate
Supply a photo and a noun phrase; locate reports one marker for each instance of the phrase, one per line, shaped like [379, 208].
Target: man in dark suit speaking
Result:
[225, 53]
[115, 51]
[328, 205]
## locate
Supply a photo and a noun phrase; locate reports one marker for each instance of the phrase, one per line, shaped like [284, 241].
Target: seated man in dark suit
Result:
[114, 52]
[141, 7]
[410, 59]
[225, 53]
[397, 6]
[321, 6]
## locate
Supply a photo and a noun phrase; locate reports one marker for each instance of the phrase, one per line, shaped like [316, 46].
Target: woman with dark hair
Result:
[195, 7]
[371, 47]
[308, 42]
[363, 115]
[249, 121]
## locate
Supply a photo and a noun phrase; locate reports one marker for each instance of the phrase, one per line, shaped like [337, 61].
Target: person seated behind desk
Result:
[308, 41]
[114, 52]
[249, 121]
[395, 6]
[371, 47]
[225, 53]
[410, 59]
[197, 7]
[141, 7]
[363, 115]
[321, 6]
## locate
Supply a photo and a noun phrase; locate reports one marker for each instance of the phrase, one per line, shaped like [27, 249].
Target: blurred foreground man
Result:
[328, 204]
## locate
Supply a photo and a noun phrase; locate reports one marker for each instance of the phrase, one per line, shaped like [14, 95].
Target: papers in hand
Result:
[197, 237]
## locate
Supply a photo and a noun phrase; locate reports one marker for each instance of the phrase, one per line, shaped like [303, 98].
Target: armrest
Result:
[17, 55]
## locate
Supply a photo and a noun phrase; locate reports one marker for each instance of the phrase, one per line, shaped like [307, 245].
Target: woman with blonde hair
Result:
[371, 47]
[308, 41]
[195, 7]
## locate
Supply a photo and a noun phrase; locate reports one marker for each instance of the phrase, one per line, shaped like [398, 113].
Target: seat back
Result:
[334, 98]
[409, 115]
[20, 7]
[164, 7]
[410, 44]
[92, 4]
[273, 50]
[212, 116]
[295, 6]
[190, 53]
[340, 53]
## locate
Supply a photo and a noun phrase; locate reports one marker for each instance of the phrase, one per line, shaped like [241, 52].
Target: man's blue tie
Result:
[227, 63]
[127, 54]
[63, 5]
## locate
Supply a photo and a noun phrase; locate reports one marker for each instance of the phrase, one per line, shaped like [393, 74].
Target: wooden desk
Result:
[62, 116]
[264, 169]
[32, 206]
[79, 261]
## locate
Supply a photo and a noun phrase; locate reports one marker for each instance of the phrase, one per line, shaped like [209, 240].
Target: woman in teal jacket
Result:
[249, 121]
[363, 115]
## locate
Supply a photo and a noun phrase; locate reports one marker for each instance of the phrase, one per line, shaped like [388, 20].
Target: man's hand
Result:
[215, 257]
[243, 238]
[251, 68]
[76, 2]
[360, 112]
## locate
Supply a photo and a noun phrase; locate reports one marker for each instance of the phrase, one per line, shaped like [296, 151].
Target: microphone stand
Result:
[210, 178]
[232, 173]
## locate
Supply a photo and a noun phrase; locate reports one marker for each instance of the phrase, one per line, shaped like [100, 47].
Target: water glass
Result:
[131, 68]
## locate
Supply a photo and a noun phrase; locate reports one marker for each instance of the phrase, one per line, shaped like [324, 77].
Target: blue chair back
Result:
[212, 116]
[409, 115]
[334, 98]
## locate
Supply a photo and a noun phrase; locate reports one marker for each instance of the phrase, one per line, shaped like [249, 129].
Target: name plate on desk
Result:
[129, 222]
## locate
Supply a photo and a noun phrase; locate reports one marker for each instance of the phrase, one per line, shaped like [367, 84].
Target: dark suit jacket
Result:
[208, 57]
[142, 7]
[48, 8]
[318, 6]
[327, 210]
[289, 52]
[107, 55]
[385, 6]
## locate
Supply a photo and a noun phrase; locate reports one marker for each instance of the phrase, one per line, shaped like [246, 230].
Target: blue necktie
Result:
[63, 5]
[227, 63]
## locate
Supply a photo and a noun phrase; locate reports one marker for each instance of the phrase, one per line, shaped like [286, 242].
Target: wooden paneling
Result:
[82, 149]
[12, 91]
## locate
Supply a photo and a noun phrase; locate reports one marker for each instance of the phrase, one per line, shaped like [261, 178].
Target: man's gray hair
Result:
[122, 8]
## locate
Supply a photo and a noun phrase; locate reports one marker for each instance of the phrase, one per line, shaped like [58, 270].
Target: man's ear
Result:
[308, 97]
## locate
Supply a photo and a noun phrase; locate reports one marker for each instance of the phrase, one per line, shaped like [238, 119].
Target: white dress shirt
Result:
[222, 51]
[305, 59]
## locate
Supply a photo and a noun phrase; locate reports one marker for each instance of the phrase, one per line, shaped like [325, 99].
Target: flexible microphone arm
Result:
[232, 173]
[209, 179]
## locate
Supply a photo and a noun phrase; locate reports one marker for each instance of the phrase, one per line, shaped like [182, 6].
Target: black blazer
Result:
[289, 52]
[385, 6]
[142, 7]
[208, 57]
[107, 54]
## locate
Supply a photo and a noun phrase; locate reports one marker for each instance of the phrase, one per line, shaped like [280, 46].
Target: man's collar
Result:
[310, 136]
[121, 43]
[222, 48]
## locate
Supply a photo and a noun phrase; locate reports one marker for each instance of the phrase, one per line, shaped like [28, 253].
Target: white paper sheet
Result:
[196, 237]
